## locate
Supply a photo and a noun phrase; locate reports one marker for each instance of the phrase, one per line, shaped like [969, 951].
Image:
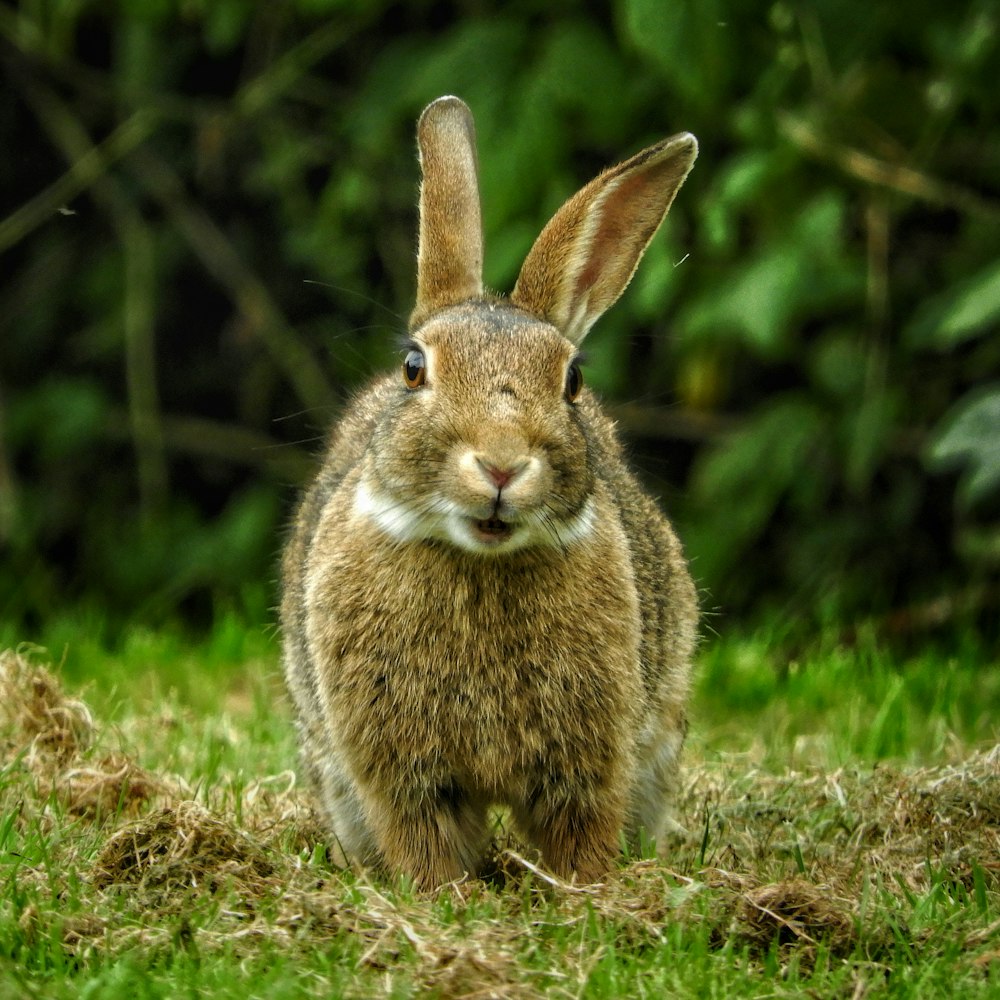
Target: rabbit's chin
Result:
[445, 521]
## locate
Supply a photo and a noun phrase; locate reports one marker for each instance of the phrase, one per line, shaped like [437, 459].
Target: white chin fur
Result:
[444, 521]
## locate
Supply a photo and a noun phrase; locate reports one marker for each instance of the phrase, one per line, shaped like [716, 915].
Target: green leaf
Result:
[658, 278]
[225, 23]
[960, 313]
[803, 269]
[60, 419]
[326, 7]
[689, 41]
[969, 436]
[837, 365]
[606, 367]
[869, 425]
[738, 185]
[740, 482]
[154, 11]
[581, 71]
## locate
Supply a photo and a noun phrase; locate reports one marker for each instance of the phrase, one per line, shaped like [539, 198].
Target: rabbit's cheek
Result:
[402, 521]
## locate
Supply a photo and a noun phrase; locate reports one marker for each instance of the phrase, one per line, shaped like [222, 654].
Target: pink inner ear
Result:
[629, 215]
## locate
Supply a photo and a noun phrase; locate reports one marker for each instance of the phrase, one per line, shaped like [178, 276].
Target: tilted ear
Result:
[587, 254]
[450, 250]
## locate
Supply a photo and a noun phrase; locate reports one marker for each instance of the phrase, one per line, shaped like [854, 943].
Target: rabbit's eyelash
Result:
[405, 343]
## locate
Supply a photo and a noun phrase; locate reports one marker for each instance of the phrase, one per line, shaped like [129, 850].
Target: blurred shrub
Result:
[207, 244]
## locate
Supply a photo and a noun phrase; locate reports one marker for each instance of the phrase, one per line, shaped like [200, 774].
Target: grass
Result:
[841, 816]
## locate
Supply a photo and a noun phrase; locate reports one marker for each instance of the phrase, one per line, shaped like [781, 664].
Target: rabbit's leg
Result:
[439, 839]
[351, 838]
[655, 785]
[577, 836]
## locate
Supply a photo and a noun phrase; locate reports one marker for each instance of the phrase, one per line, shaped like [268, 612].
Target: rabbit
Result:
[481, 607]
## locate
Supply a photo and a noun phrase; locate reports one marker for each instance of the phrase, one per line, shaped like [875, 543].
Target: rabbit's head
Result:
[487, 442]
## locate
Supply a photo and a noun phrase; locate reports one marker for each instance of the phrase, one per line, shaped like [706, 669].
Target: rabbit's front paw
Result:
[578, 842]
[434, 842]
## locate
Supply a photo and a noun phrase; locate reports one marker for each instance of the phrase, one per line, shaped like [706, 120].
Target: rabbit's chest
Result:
[485, 675]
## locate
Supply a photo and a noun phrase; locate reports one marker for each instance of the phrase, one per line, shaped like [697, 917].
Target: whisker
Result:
[357, 294]
[297, 443]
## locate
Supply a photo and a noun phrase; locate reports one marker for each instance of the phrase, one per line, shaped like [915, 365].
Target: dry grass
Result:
[797, 868]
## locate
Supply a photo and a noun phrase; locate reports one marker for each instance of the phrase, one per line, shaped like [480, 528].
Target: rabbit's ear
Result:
[450, 253]
[585, 257]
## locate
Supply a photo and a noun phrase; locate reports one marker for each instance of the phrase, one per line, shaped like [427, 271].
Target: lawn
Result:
[839, 836]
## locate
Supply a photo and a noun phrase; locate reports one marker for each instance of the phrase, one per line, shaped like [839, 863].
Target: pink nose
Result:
[499, 477]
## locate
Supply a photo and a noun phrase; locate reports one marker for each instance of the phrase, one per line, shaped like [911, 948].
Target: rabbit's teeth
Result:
[494, 529]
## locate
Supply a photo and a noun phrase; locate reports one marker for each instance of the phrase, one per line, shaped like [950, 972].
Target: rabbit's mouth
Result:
[493, 530]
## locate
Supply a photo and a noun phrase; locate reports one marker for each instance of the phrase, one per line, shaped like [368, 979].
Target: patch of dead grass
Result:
[36, 717]
[844, 826]
[181, 846]
[54, 739]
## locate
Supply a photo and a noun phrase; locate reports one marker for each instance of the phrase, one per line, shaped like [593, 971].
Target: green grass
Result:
[840, 808]
[835, 703]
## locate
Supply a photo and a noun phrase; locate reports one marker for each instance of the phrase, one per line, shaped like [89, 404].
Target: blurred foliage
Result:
[207, 243]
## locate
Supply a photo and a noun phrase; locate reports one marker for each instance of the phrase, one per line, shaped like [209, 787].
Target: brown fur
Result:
[450, 248]
[452, 643]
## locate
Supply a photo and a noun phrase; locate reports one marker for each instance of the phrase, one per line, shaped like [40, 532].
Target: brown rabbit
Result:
[481, 605]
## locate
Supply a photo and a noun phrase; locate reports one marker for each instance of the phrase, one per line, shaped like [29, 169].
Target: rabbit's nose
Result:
[500, 476]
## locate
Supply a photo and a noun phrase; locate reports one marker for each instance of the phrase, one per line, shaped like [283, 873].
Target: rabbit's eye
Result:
[574, 382]
[414, 370]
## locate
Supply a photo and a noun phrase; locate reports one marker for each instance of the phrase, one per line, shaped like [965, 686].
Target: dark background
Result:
[207, 218]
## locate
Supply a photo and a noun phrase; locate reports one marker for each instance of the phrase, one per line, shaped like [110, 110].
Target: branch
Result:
[138, 309]
[265, 89]
[894, 176]
[228, 442]
[669, 423]
[220, 258]
[82, 174]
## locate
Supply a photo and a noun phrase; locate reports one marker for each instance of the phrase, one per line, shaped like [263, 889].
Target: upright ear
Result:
[450, 249]
[587, 254]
